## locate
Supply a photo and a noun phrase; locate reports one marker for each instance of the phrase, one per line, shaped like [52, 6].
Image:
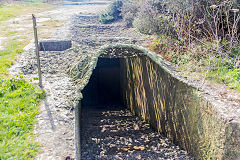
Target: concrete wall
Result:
[208, 127]
[178, 110]
[53, 45]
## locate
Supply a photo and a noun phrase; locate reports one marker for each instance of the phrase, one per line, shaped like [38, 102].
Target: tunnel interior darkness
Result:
[104, 86]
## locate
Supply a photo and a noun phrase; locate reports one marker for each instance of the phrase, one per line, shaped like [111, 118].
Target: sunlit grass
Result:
[19, 102]
[231, 77]
[10, 33]
[8, 55]
[9, 11]
[19, 99]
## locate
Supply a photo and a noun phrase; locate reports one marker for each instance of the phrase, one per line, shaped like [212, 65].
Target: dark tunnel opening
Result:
[104, 86]
[110, 122]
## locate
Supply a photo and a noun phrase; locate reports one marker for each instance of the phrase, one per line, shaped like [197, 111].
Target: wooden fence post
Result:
[37, 50]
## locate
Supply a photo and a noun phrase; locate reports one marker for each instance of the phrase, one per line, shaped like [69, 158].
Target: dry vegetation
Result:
[196, 35]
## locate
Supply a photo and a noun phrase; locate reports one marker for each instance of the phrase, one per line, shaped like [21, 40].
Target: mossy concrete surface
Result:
[178, 111]
[152, 89]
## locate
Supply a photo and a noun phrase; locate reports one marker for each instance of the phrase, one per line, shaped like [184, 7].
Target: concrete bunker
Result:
[54, 45]
[152, 89]
[103, 87]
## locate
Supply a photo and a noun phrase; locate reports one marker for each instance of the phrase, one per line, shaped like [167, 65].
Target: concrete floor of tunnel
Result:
[108, 128]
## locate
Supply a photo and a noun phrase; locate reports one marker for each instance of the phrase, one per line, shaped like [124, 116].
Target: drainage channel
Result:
[109, 130]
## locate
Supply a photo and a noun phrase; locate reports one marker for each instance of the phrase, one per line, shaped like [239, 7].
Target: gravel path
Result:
[90, 34]
[114, 133]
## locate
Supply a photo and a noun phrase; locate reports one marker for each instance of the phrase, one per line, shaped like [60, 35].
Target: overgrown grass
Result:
[19, 102]
[194, 61]
[200, 38]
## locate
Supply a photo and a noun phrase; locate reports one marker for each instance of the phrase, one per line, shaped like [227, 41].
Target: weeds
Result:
[8, 55]
[230, 77]
[197, 35]
[18, 101]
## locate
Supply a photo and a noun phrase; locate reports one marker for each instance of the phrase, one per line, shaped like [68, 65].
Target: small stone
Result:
[136, 127]
[140, 148]
[237, 64]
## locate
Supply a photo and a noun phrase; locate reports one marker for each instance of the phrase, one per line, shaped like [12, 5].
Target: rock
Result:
[237, 65]
[139, 148]
[136, 127]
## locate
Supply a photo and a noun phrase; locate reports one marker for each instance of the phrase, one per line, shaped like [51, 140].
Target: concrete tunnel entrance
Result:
[131, 80]
[104, 87]
[108, 129]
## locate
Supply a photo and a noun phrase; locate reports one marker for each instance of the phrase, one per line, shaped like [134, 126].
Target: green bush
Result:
[113, 12]
[106, 18]
[148, 18]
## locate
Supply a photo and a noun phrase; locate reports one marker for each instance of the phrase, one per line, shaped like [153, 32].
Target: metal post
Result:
[37, 50]
[78, 131]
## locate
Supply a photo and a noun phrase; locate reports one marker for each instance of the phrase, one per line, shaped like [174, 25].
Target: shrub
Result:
[106, 18]
[128, 12]
[205, 32]
[113, 12]
[146, 20]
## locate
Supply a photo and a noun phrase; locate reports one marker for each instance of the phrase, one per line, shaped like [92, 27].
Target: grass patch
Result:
[10, 33]
[9, 11]
[18, 106]
[231, 77]
[19, 99]
[8, 55]
[19, 102]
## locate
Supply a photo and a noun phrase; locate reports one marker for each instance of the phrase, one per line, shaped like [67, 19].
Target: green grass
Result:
[19, 99]
[231, 77]
[8, 55]
[19, 102]
[9, 11]
[10, 33]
